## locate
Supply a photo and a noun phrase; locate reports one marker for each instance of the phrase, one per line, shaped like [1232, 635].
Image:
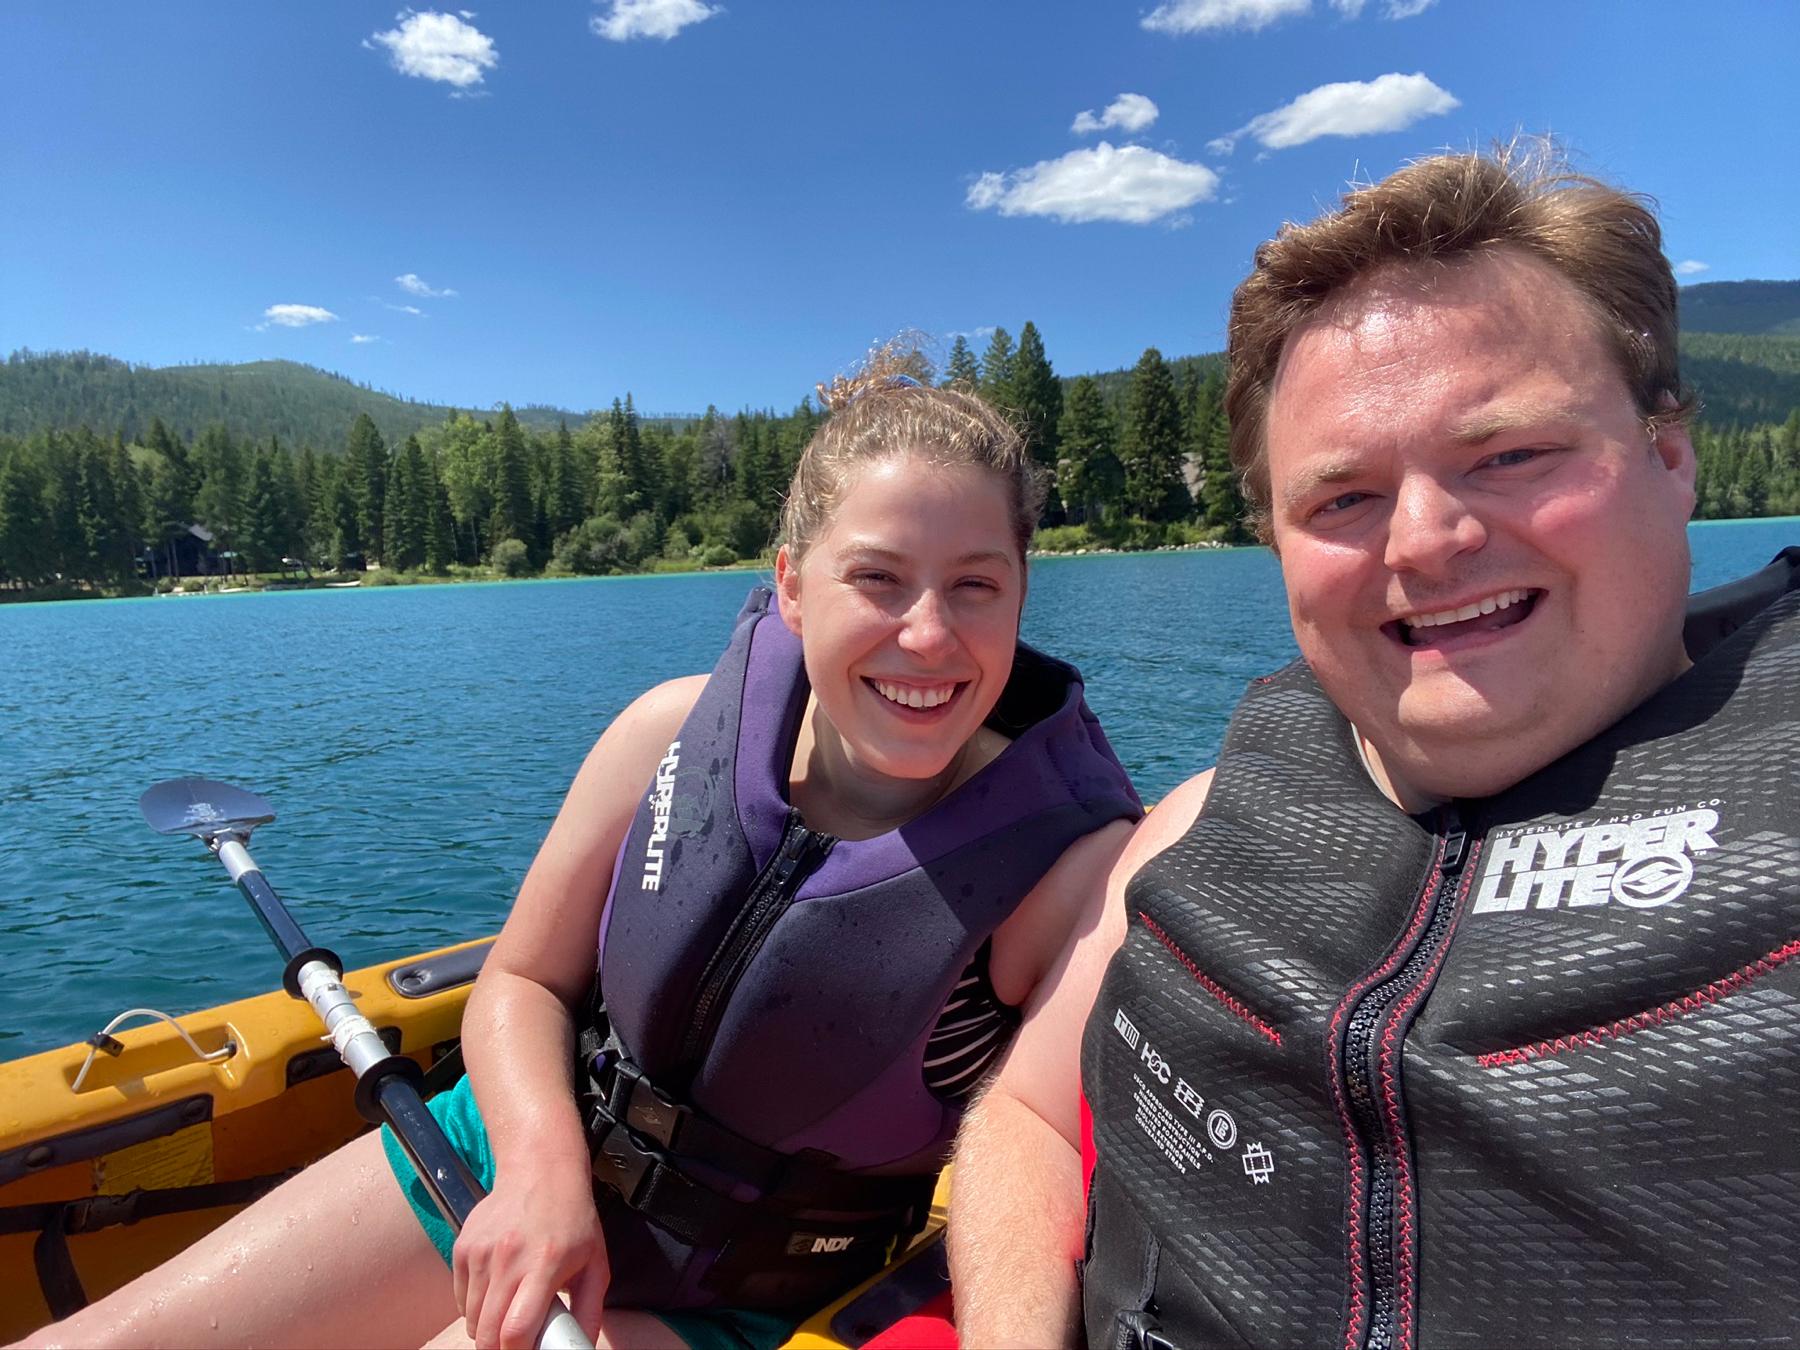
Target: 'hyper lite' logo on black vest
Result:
[662, 794]
[1641, 860]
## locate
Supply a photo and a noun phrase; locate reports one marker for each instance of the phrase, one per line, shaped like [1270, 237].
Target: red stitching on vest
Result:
[1207, 983]
[1391, 1046]
[1353, 1247]
[1596, 1037]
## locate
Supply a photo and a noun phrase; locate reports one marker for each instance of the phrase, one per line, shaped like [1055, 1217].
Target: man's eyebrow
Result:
[1319, 475]
[1492, 422]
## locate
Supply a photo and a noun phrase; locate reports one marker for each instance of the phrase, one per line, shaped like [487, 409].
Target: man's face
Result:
[1484, 546]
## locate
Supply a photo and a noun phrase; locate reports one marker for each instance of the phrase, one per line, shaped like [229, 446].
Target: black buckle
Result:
[651, 1113]
[621, 1164]
[632, 1098]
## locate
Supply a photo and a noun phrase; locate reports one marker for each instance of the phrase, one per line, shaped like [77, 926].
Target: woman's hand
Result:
[534, 1235]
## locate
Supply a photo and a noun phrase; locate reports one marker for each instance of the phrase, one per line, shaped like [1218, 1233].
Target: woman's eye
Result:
[872, 579]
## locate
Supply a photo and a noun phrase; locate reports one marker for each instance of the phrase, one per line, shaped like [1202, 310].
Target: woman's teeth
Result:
[913, 697]
[1475, 610]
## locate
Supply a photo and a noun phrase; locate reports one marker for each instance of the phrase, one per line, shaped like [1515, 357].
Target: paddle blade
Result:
[203, 808]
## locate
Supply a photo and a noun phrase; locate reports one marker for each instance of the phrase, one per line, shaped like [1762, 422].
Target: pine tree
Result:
[997, 369]
[1036, 396]
[366, 466]
[169, 503]
[1087, 470]
[1150, 446]
[224, 475]
[1221, 500]
[264, 525]
[440, 528]
[511, 517]
[408, 496]
[565, 490]
[963, 371]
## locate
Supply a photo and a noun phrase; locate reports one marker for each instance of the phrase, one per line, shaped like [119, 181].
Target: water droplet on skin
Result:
[213, 1322]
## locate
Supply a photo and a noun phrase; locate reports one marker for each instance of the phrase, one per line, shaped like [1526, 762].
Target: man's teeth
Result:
[913, 697]
[1504, 600]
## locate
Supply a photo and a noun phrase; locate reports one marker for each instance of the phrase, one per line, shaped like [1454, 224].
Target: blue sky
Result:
[560, 201]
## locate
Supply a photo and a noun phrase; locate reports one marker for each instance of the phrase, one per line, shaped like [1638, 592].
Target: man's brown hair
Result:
[1448, 208]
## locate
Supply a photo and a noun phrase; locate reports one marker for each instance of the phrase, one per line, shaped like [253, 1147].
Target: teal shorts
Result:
[460, 1119]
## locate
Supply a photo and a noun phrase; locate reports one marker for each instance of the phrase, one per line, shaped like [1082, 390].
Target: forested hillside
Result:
[301, 404]
[1742, 307]
[1135, 458]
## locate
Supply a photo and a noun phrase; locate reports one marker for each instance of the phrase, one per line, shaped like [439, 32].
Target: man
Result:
[1463, 1013]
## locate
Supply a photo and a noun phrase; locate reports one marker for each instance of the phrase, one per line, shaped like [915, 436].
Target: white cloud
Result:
[295, 316]
[434, 46]
[1200, 16]
[1127, 112]
[413, 284]
[360, 339]
[1405, 9]
[413, 310]
[1693, 267]
[628, 19]
[1351, 9]
[1352, 108]
[1130, 184]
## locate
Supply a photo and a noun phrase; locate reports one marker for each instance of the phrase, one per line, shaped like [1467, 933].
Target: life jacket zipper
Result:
[1386, 1139]
[800, 854]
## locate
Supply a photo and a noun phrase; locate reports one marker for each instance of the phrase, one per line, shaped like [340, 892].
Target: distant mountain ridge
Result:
[1740, 347]
[1750, 307]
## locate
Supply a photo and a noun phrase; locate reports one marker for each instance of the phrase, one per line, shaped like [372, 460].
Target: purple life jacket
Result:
[762, 1121]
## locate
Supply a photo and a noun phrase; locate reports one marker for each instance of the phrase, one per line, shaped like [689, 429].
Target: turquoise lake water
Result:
[417, 740]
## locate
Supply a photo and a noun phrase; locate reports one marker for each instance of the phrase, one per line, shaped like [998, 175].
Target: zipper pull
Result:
[1456, 839]
[1455, 847]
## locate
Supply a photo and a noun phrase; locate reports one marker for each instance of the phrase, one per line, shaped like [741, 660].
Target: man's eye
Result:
[1507, 459]
[1342, 502]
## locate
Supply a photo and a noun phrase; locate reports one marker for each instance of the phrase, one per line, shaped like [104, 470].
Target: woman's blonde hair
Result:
[886, 409]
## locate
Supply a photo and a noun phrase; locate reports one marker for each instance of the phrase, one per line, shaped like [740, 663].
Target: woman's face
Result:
[908, 607]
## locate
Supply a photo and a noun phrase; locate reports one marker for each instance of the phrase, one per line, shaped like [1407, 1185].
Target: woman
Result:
[825, 878]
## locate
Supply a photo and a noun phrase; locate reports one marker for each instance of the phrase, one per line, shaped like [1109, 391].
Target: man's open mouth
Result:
[1490, 614]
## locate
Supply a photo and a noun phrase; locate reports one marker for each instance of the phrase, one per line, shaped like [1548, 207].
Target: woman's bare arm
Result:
[539, 1232]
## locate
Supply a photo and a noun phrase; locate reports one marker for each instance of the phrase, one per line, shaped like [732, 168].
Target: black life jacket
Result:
[762, 1123]
[1523, 1071]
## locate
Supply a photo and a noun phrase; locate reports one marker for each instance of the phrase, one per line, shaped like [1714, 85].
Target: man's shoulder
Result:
[1168, 821]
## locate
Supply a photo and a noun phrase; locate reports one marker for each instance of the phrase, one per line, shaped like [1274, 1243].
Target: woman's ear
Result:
[787, 588]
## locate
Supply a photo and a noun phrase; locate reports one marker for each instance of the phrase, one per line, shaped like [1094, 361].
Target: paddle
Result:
[387, 1084]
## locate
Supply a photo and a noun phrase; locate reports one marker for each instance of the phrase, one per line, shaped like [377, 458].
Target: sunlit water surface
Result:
[416, 742]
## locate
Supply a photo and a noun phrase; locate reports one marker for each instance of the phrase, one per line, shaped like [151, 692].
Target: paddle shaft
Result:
[386, 1083]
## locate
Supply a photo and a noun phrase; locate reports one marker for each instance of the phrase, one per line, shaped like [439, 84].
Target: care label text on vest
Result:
[1162, 1123]
[1641, 860]
[662, 794]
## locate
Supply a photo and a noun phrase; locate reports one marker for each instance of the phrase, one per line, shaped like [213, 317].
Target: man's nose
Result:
[925, 630]
[1431, 525]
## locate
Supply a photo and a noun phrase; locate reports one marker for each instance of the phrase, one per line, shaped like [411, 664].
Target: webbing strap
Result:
[54, 1220]
[786, 1180]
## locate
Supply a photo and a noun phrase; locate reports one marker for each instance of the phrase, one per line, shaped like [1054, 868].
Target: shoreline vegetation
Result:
[1073, 543]
[1134, 461]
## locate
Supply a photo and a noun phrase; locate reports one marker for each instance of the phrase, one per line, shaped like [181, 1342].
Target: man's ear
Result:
[1674, 449]
[787, 589]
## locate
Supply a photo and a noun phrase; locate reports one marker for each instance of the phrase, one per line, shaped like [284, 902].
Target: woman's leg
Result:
[622, 1329]
[334, 1256]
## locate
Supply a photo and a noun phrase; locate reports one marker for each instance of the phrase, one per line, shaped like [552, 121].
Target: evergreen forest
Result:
[291, 473]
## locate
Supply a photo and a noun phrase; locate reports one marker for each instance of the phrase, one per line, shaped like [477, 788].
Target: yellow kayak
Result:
[107, 1171]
